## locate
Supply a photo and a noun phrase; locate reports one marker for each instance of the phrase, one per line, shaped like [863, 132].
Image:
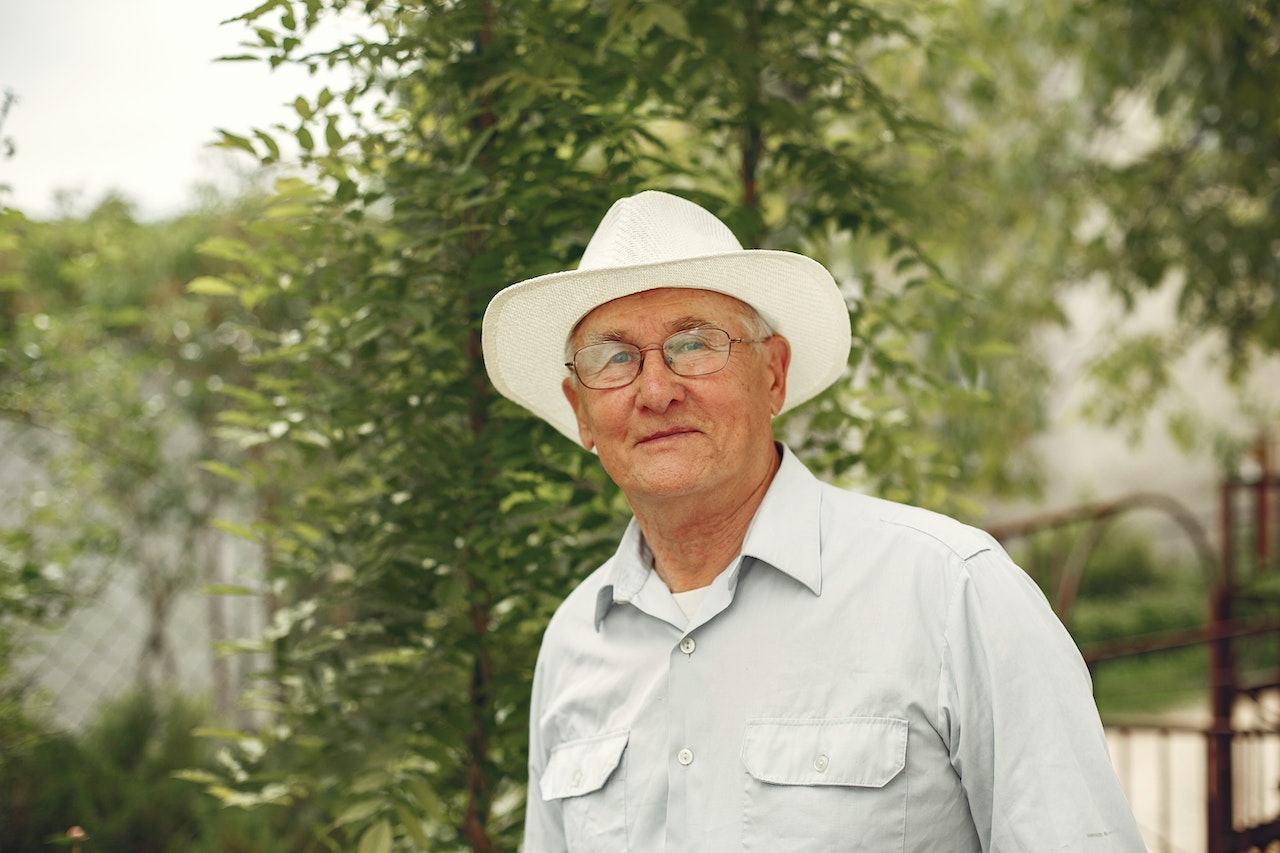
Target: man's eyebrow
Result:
[605, 337]
[681, 324]
[686, 323]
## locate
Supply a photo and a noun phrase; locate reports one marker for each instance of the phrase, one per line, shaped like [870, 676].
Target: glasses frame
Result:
[572, 365]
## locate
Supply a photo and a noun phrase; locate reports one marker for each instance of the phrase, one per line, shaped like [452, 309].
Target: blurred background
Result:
[274, 558]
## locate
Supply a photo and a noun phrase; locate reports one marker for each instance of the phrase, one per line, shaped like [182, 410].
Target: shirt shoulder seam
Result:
[959, 539]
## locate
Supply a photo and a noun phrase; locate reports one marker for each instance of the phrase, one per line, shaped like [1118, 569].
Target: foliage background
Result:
[958, 165]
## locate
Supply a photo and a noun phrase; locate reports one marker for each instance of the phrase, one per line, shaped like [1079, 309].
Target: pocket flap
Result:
[578, 767]
[865, 752]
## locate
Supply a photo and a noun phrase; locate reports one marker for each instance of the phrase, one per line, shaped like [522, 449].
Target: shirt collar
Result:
[627, 572]
[785, 534]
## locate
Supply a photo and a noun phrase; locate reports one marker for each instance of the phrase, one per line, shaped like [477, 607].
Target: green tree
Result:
[1191, 207]
[419, 529]
[434, 527]
[1131, 144]
[1200, 200]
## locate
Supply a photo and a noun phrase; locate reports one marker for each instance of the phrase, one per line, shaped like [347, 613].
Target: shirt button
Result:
[577, 779]
[685, 756]
[687, 645]
[820, 763]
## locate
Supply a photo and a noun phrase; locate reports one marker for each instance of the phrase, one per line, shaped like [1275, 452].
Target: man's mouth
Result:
[666, 433]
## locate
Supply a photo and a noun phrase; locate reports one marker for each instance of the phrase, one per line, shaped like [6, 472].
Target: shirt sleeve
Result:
[1024, 735]
[543, 826]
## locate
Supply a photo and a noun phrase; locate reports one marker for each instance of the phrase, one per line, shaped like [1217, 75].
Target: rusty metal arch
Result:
[1099, 516]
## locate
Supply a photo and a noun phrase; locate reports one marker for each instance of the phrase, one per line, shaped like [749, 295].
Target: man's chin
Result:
[671, 475]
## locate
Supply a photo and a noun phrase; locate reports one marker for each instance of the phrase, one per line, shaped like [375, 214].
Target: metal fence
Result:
[134, 626]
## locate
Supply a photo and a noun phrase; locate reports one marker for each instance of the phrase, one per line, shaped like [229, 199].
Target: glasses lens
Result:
[607, 365]
[697, 352]
[613, 364]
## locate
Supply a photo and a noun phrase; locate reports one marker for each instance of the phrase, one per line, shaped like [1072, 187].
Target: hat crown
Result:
[655, 227]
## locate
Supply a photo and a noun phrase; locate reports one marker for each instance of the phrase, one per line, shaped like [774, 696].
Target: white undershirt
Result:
[690, 599]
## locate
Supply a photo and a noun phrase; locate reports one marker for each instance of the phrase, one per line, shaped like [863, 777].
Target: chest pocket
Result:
[588, 776]
[825, 784]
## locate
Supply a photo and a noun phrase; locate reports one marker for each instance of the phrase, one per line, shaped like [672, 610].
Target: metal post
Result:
[1166, 792]
[1262, 520]
[1221, 690]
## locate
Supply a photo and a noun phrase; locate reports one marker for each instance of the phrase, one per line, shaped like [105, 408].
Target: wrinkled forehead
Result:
[666, 309]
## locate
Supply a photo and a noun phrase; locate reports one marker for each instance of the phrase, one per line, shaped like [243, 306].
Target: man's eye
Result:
[620, 357]
[685, 345]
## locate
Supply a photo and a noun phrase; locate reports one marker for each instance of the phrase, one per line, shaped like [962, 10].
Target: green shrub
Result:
[117, 780]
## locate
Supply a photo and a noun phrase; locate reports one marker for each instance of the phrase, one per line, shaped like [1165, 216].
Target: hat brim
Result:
[527, 324]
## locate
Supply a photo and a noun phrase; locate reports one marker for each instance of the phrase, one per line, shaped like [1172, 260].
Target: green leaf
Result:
[200, 777]
[358, 812]
[242, 531]
[229, 589]
[288, 211]
[377, 838]
[226, 248]
[207, 285]
[227, 648]
[231, 140]
[413, 825]
[273, 150]
[259, 10]
[222, 469]
[670, 20]
[392, 657]
[224, 734]
[332, 136]
[426, 799]
[307, 532]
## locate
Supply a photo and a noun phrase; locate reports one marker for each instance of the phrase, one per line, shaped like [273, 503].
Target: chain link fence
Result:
[133, 624]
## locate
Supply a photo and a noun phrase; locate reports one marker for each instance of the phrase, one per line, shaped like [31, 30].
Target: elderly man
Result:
[769, 663]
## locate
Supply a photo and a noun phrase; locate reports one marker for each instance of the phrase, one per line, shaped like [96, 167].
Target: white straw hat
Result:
[655, 240]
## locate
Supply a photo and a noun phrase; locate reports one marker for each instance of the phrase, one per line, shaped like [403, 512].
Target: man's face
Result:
[666, 435]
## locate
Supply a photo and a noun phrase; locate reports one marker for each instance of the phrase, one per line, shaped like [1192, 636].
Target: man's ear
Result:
[779, 350]
[571, 392]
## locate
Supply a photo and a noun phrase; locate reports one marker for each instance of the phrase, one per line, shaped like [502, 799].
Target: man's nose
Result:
[658, 385]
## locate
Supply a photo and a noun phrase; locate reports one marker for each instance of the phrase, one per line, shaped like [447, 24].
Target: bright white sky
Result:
[125, 95]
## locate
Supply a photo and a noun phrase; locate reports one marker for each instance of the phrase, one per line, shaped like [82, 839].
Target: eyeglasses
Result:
[613, 364]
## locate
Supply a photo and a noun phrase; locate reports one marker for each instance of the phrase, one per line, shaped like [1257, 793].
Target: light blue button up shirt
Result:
[867, 676]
